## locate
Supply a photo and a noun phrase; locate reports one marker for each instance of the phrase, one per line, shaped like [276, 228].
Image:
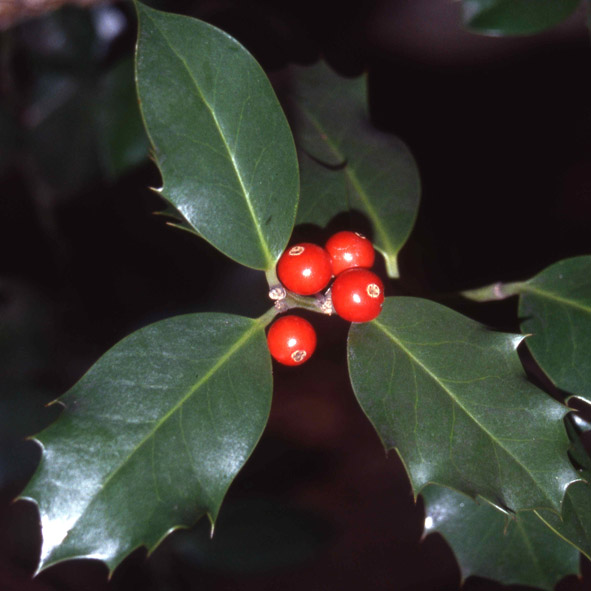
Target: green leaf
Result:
[556, 310]
[122, 139]
[519, 551]
[575, 426]
[221, 140]
[152, 436]
[323, 192]
[372, 172]
[574, 525]
[515, 17]
[452, 398]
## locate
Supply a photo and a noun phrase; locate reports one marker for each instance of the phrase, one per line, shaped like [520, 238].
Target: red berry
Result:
[304, 268]
[291, 340]
[348, 250]
[357, 295]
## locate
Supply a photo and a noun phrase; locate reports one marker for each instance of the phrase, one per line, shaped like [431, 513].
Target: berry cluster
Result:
[305, 269]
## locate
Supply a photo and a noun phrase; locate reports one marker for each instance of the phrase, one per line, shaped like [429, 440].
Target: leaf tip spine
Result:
[517, 339]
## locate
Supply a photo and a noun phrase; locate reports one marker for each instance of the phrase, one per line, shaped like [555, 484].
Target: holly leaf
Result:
[221, 140]
[556, 310]
[372, 172]
[321, 192]
[515, 17]
[151, 437]
[452, 398]
[517, 551]
[574, 525]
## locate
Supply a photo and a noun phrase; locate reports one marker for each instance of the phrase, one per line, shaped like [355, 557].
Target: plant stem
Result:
[268, 316]
[496, 291]
[272, 278]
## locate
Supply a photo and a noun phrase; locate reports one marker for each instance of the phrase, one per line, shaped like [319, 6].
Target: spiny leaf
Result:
[556, 310]
[221, 140]
[574, 525]
[372, 172]
[518, 551]
[452, 398]
[151, 437]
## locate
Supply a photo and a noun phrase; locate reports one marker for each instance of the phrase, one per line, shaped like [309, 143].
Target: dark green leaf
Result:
[452, 398]
[152, 436]
[575, 425]
[372, 172]
[521, 551]
[122, 139]
[574, 525]
[515, 17]
[556, 310]
[222, 142]
[322, 190]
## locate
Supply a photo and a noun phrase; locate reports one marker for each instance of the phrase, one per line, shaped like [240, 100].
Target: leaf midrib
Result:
[384, 236]
[262, 241]
[530, 550]
[455, 399]
[529, 288]
[221, 361]
[583, 524]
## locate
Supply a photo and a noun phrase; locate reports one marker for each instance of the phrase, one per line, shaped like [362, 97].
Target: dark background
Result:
[500, 129]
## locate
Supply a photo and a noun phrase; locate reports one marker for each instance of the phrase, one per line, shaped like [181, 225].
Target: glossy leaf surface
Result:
[452, 398]
[152, 436]
[374, 172]
[515, 17]
[520, 551]
[221, 140]
[574, 525]
[555, 308]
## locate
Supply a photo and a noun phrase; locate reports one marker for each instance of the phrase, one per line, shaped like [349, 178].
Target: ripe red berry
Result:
[304, 268]
[348, 250]
[291, 340]
[357, 295]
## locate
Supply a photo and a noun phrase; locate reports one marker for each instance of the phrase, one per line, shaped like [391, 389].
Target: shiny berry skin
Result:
[357, 295]
[291, 340]
[348, 250]
[304, 268]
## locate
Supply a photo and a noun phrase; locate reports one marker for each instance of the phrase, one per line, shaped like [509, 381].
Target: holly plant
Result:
[151, 438]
